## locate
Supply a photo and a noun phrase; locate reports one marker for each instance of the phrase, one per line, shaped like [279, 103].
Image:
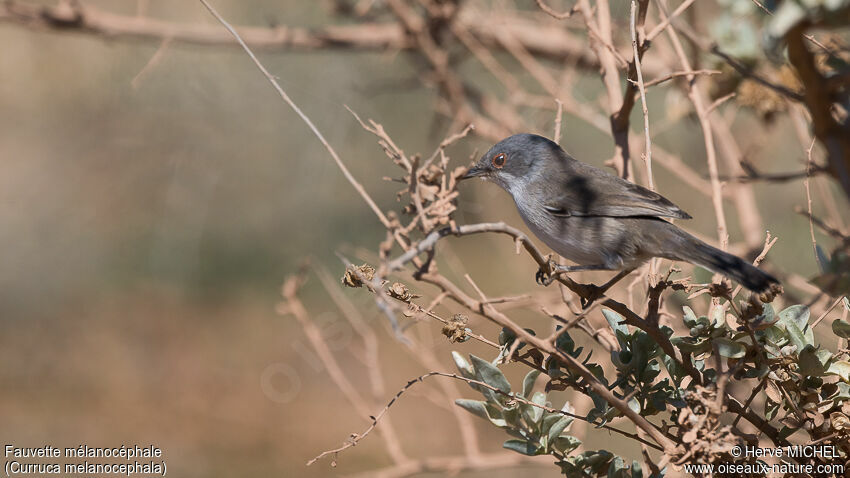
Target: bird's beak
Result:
[474, 172]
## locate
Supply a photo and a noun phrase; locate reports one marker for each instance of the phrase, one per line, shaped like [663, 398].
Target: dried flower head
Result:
[400, 291]
[769, 295]
[722, 289]
[456, 329]
[354, 276]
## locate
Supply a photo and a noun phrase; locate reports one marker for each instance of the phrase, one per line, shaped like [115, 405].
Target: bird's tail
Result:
[724, 263]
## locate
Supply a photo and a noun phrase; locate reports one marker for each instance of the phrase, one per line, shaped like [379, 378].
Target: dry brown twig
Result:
[769, 242]
[809, 203]
[357, 186]
[151, 64]
[355, 438]
[550, 11]
[647, 158]
[743, 196]
[599, 28]
[292, 305]
[827, 311]
[363, 36]
[679, 74]
[360, 325]
[541, 40]
[697, 97]
[665, 22]
[545, 41]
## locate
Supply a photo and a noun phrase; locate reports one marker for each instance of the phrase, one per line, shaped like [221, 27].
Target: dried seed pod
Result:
[400, 291]
[354, 276]
[456, 329]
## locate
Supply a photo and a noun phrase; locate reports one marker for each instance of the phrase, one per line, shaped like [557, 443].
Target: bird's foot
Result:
[589, 293]
[548, 273]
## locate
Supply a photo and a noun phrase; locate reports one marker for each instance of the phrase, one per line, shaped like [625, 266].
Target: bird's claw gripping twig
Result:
[589, 293]
[548, 273]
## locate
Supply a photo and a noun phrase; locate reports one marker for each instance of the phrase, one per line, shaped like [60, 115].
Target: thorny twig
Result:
[355, 438]
[357, 186]
[641, 87]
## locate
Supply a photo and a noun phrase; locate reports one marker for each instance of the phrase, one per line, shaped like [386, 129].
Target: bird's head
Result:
[514, 159]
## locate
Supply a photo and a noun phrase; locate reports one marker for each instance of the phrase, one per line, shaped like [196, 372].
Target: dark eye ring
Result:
[499, 160]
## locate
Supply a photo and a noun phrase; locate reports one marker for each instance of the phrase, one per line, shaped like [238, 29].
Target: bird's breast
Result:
[582, 240]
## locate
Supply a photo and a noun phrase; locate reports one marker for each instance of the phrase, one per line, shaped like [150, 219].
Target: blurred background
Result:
[151, 209]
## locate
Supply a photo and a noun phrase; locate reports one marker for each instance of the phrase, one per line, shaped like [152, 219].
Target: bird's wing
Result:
[592, 192]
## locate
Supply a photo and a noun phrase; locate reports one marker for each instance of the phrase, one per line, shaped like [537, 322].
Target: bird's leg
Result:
[588, 293]
[617, 278]
[548, 274]
[595, 291]
[545, 274]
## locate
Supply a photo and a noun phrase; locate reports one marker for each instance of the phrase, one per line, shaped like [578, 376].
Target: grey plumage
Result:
[596, 219]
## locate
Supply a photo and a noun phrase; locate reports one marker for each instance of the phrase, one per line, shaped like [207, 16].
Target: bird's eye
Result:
[499, 160]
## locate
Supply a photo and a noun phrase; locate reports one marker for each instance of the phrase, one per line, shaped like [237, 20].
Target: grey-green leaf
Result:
[729, 348]
[512, 416]
[521, 446]
[559, 426]
[796, 336]
[689, 318]
[490, 374]
[549, 419]
[841, 328]
[479, 408]
[690, 345]
[810, 364]
[466, 370]
[528, 382]
[637, 471]
[536, 412]
[617, 468]
[718, 317]
[798, 314]
[476, 407]
[462, 365]
[566, 443]
[615, 320]
[840, 368]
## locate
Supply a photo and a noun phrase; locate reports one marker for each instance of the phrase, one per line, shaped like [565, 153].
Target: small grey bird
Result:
[598, 220]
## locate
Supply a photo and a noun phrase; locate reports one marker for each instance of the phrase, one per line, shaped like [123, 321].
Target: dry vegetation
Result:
[683, 370]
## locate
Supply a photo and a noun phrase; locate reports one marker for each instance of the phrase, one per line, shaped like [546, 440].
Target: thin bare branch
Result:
[809, 203]
[697, 97]
[356, 438]
[647, 158]
[292, 305]
[550, 11]
[665, 22]
[357, 186]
